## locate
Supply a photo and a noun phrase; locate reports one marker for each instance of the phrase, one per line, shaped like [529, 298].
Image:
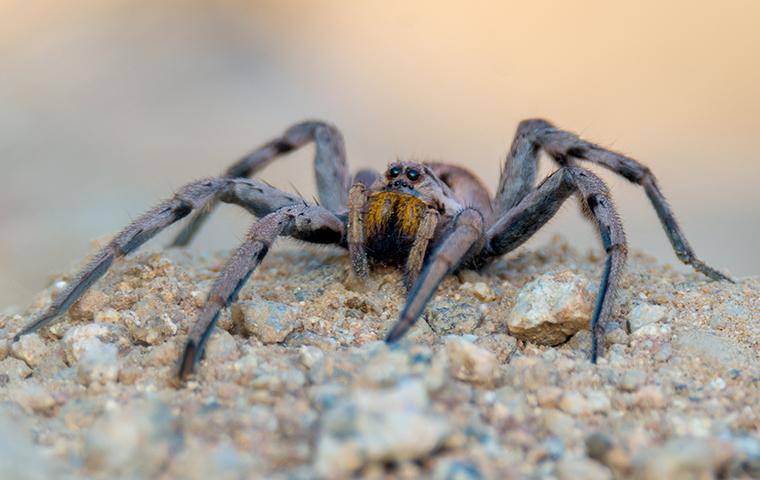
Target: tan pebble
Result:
[551, 308]
[129, 374]
[228, 391]
[34, 398]
[199, 299]
[581, 468]
[87, 306]
[269, 321]
[618, 460]
[108, 315]
[30, 348]
[221, 346]
[683, 458]
[548, 397]
[479, 290]
[598, 402]
[632, 380]
[643, 314]
[14, 369]
[76, 339]
[469, 362]
[164, 354]
[98, 364]
[650, 397]
[574, 403]
[560, 423]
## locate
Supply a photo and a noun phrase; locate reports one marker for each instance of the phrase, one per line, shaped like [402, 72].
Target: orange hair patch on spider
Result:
[389, 210]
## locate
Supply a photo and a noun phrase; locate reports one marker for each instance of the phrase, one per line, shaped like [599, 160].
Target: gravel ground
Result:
[297, 383]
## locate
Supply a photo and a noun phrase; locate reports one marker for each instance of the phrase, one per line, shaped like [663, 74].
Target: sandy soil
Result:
[296, 382]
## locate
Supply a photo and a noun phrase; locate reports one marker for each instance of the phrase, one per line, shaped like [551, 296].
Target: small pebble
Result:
[580, 468]
[270, 322]
[574, 403]
[479, 290]
[132, 440]
[76, 339]
[644, 314]
[85, 308]
[98, 363]
[30, 348]
[632, 380]
[310, 355]
[598, 445]
[453, 469]
[14, 369]
[664, 352]
[682, 459]
[454, 317]
[470, 363]
[615, 335]
[551, 308]
[34, 398]
[151, 323]
[390, 425]
[220, 348]
[650, 397]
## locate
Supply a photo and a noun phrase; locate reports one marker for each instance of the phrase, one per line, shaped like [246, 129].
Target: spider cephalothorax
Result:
[430, 219]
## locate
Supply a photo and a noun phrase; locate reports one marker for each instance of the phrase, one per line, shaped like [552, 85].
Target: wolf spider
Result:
[428, 218]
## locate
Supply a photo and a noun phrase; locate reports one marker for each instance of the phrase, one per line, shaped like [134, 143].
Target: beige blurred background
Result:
[107, 106]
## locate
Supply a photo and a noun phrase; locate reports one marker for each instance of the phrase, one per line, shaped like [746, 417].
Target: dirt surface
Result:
[296, 382]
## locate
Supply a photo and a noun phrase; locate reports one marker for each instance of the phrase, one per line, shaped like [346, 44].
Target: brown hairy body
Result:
[391, 221]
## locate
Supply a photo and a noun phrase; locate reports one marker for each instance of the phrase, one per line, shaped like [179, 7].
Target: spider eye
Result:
[412, 174]
[394, 172]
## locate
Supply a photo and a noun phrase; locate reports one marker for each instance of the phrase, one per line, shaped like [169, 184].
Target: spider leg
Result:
[455, 247]
[465, 186]
[256, 196]
[305, 222]
[330, 168]
[563, 146]
[357, 203]
[519, 223]
[422, 238]
[366, 177]
[188, 198]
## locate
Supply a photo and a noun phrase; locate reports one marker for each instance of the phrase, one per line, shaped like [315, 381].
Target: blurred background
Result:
[107, 107]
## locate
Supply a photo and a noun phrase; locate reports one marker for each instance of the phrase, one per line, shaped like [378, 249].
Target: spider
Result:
[429, 219]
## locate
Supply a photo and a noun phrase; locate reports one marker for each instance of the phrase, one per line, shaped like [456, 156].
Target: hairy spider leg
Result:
[464, 238]
[520, 223]
[305, 222]
[330, 169]
[518, 178]
[254, 195]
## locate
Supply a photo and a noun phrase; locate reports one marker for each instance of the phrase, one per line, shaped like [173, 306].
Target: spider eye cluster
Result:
[412, 174]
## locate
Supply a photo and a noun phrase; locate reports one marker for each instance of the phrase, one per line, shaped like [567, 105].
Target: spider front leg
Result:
[304, 222]
[357, 206]
[330, 168]
[258, 197]
[416, 258]
[190, 197]
[464, 239]
[519, 223]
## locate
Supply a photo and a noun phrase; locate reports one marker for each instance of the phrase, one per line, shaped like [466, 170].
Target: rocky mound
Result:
[296, 382]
